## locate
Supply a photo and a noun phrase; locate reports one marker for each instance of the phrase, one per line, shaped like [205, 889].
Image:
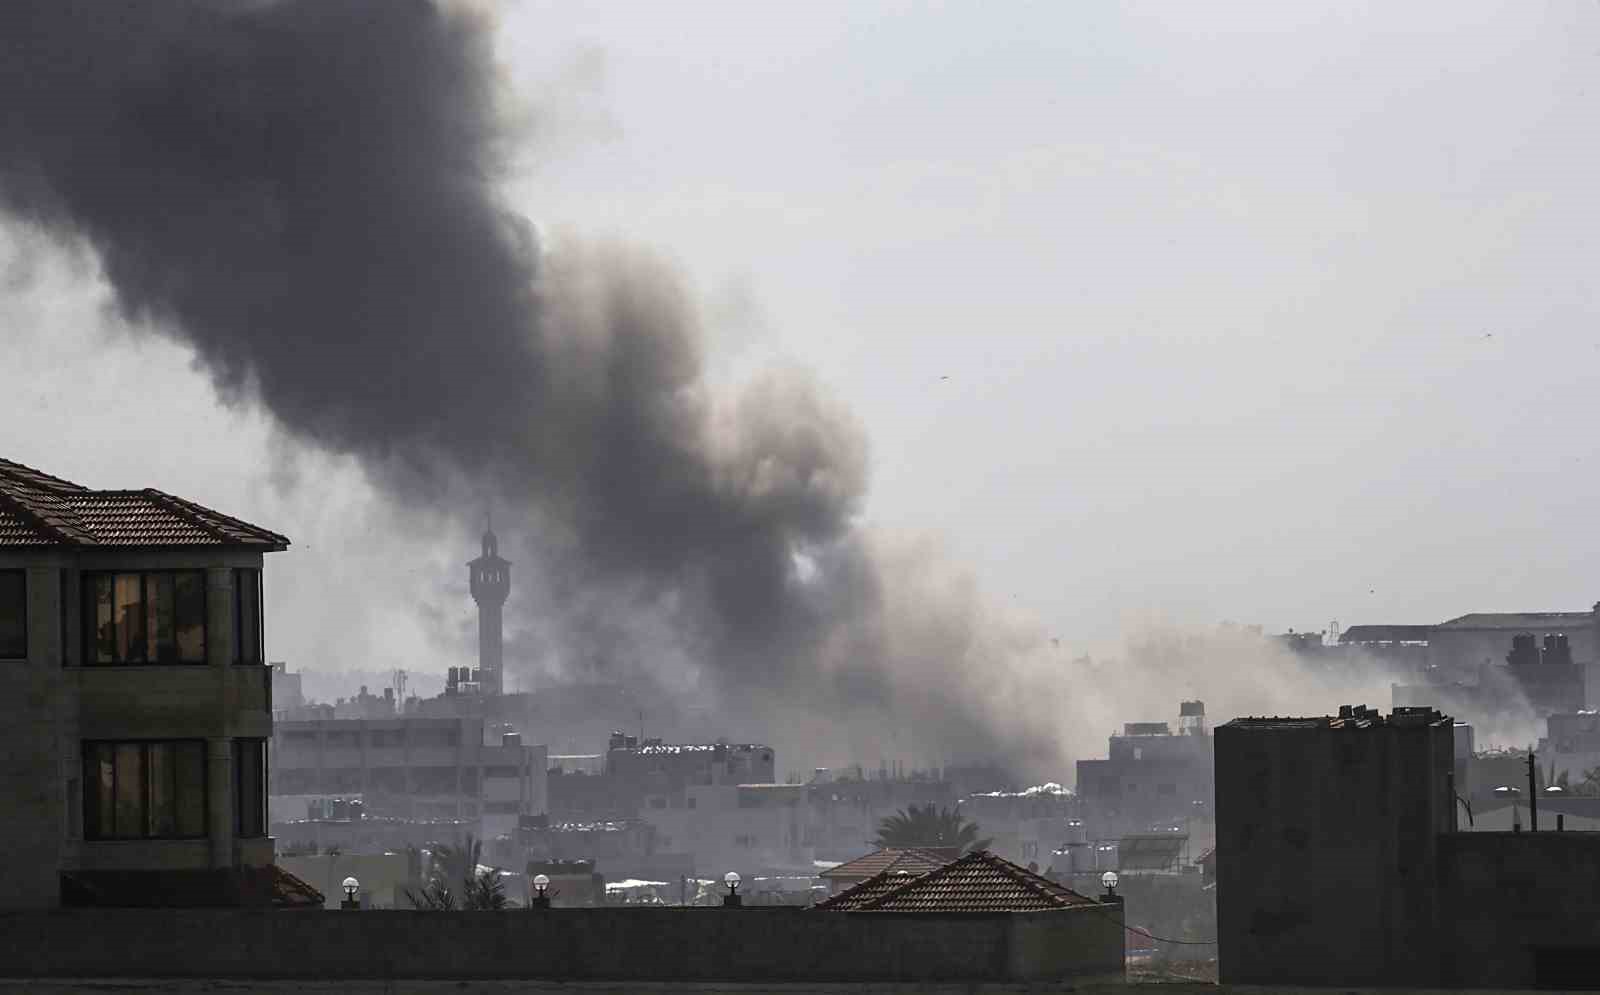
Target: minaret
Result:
[491, 582]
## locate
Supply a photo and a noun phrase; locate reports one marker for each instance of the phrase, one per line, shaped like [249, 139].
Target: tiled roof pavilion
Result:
[914, 860]
[977, 882]
[37, 509]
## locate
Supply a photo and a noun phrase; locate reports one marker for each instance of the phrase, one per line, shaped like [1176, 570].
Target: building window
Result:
[153, 617]
[247, 647]
[144, 790]
[250, 788]
[62, 631]
[13, 615]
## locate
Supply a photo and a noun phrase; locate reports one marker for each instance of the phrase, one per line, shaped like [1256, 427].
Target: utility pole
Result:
[1533, 797]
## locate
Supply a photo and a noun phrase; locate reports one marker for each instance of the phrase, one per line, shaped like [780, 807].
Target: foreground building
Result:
[1341, 864]
[133, 758]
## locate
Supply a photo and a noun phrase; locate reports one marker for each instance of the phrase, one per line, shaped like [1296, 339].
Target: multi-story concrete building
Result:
[652, 776]
[751, 828]
[847, 806]
[415, 768]
[1151, 777]
[1027, 826]
[138, 704]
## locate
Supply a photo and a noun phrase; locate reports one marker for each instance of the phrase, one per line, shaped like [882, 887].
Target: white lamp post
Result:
[541, 882]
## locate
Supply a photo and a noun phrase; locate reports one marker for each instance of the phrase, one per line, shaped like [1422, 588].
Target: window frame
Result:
[88, 621]
[262, 789]
[22, 574]
[89, 807]
[238, 619]
[65, 616]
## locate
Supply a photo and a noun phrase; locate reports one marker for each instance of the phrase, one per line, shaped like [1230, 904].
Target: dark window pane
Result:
[159, 618]
[163, 762]
[249, 758]
[105, 626]
[61, 629]
[130, 789]
[128, 606]
[13, 615]
[191, 788]
[99, 800]
[247, 616]
[190, 617]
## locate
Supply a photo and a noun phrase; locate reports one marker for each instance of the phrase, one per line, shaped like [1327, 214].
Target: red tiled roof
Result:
[866, 892]
[37, 509]
[916, 860]
[978, 882]
[269, 886]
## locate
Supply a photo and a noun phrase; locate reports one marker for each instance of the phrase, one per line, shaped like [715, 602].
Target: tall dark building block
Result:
[1327, 846]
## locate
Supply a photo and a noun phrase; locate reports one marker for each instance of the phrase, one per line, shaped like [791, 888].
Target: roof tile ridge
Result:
[928, 853]
[192, 511]
[911, 881]
[178, 507]
[9, 467]
[933, 876]
[13, 497]
[1038, 884]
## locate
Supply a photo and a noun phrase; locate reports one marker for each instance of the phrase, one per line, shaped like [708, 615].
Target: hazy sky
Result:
[1247, 312]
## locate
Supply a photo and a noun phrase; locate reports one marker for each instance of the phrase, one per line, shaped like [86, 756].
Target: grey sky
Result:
[1247, 312]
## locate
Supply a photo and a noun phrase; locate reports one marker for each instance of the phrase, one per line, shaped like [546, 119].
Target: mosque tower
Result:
[491, 581]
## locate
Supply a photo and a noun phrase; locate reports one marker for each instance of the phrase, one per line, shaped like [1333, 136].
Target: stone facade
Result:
[55, 703]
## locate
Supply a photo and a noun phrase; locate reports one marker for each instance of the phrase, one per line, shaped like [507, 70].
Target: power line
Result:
[1160, 939]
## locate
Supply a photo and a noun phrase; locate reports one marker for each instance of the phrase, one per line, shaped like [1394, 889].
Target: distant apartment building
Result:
[288, 691]
[1487, 666]
[638, 777]
[847, 806]
[1572, 746]
[743, 827]
[1026, 826]
[1151, 776]
[133, 758]
[414, 768]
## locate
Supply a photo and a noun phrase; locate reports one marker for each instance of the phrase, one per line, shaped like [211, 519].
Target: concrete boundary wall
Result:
[579, 944]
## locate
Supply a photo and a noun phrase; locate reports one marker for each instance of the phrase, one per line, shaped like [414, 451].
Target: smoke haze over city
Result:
[867, 466]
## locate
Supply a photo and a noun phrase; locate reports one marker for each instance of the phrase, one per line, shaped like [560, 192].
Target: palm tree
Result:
[485, 893]
[457, 865]
[436, 896]
[1590, 785]
[930, 826]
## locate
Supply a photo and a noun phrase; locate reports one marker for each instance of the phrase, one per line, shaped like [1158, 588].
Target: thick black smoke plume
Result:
[305, 192]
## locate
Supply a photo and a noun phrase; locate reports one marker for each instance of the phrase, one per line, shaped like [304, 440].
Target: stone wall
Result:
[642, 943]
[1507, 900]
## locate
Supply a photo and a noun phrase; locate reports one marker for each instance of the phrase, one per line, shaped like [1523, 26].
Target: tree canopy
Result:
[457, 867]
[930, 826]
